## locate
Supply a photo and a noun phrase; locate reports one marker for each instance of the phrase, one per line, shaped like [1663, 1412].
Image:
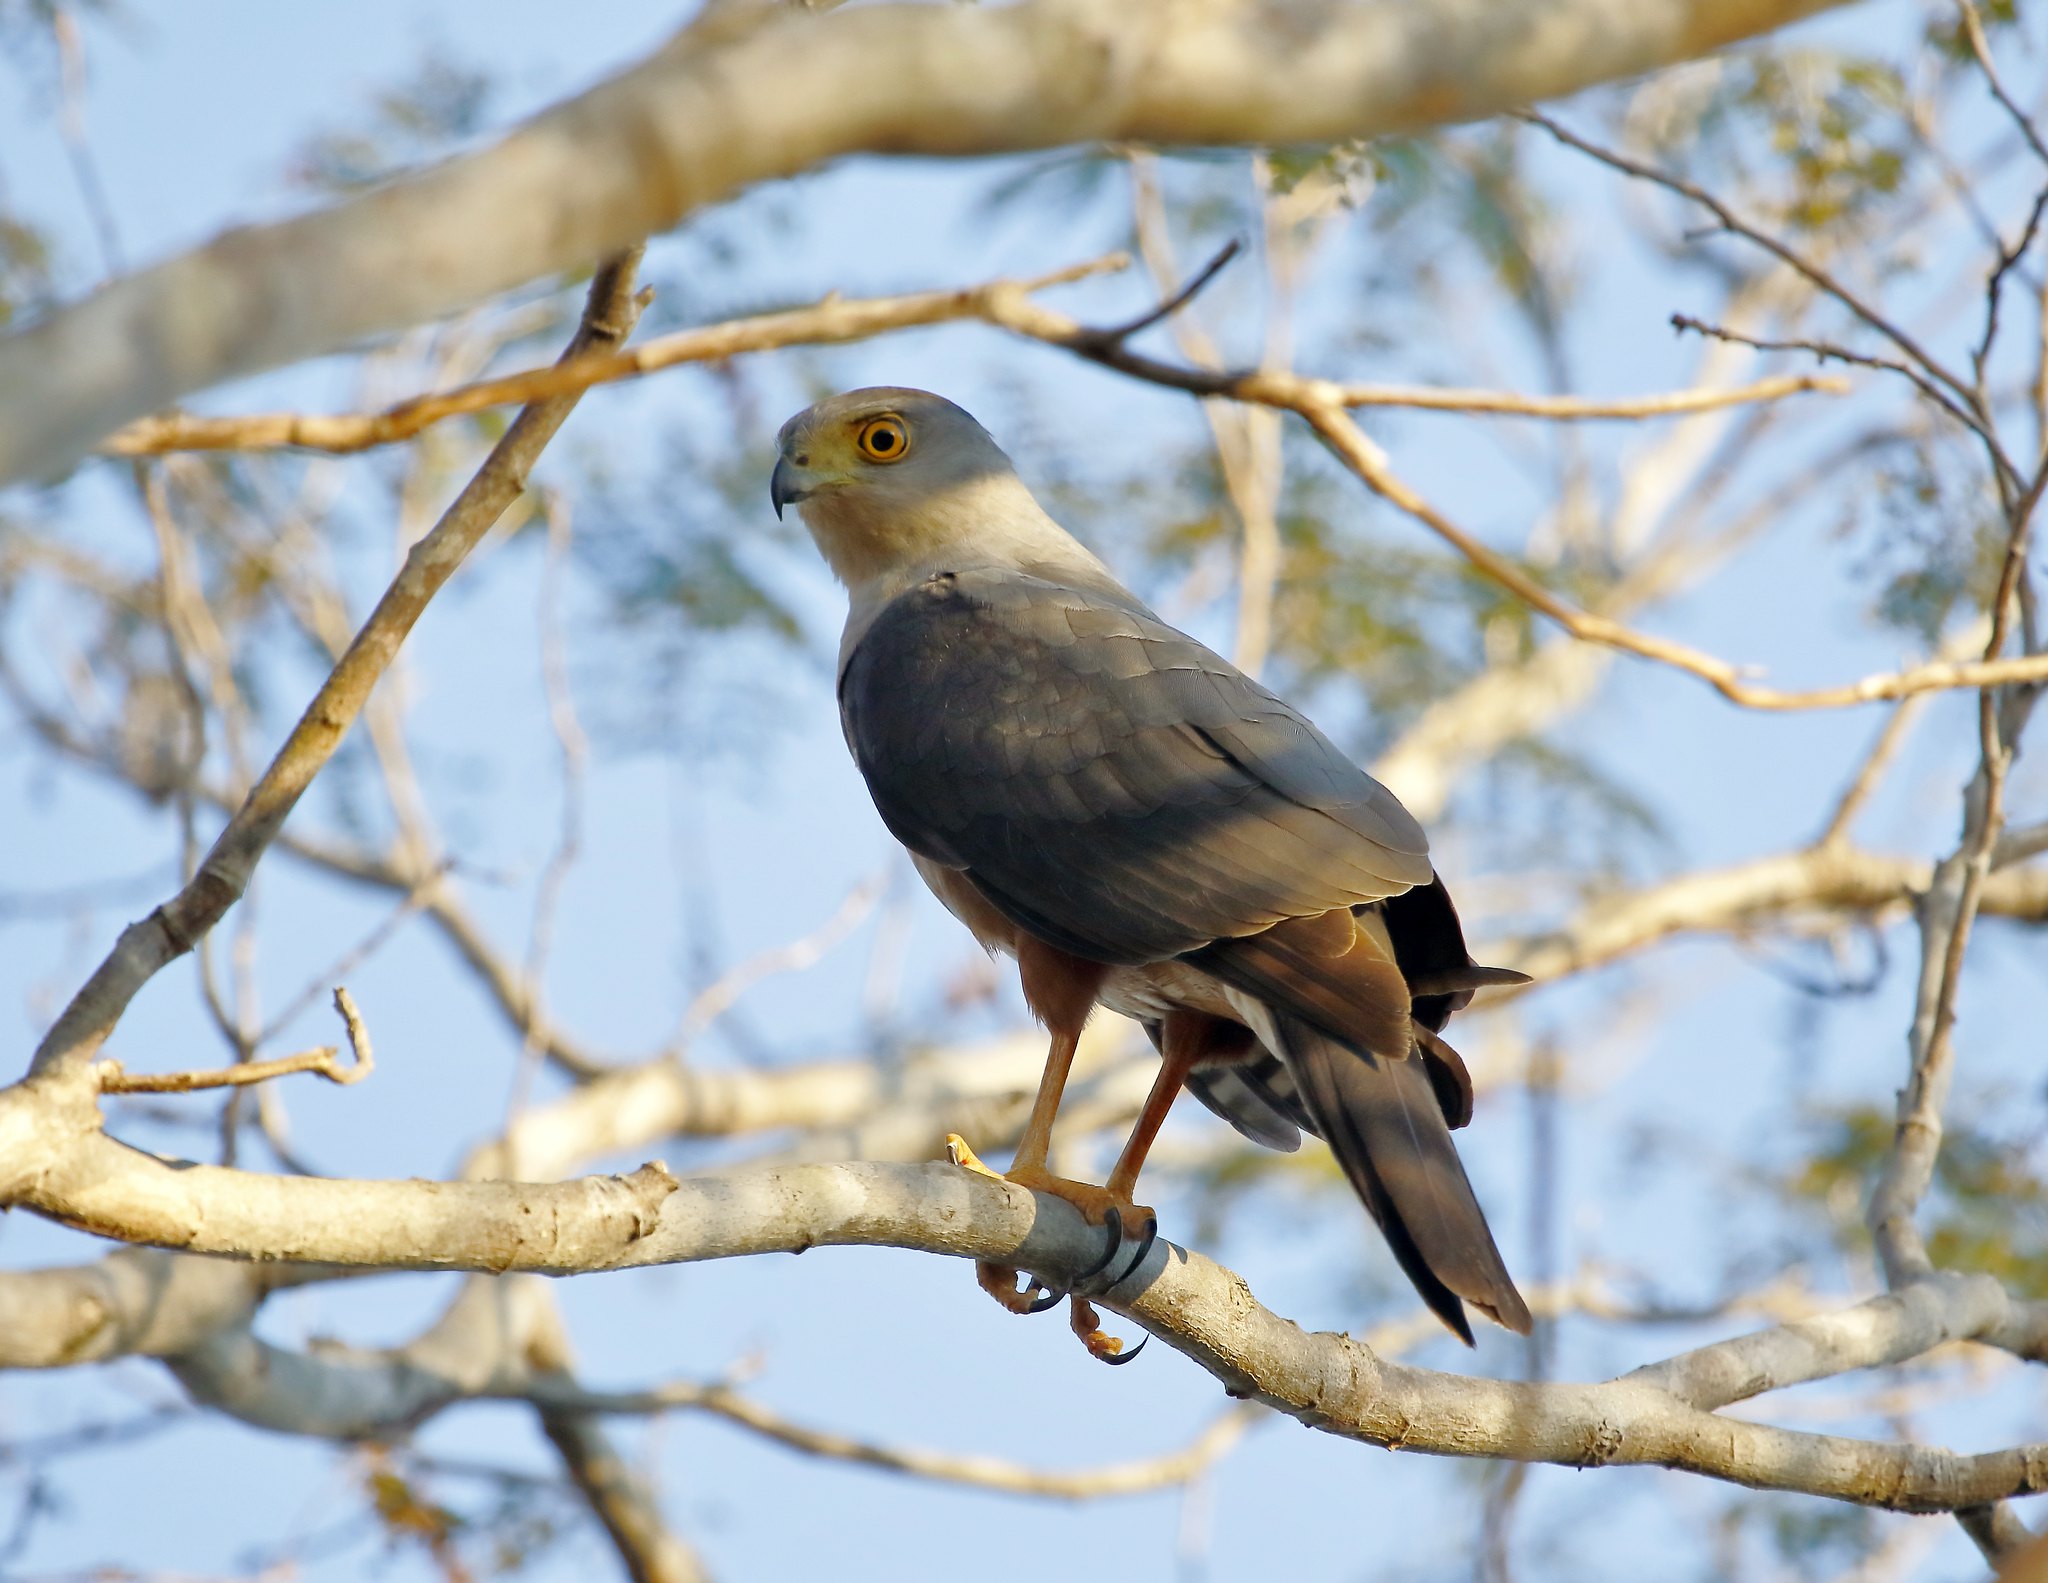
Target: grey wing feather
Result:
[1109, 783]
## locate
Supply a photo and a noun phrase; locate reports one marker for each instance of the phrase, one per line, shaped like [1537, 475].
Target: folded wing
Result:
[1111, 784]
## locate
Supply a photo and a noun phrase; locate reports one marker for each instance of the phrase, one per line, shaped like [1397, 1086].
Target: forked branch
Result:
[324, 1062]
[174, 928]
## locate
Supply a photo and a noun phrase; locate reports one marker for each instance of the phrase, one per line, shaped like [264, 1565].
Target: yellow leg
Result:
[1173, 1072]
[1036, 1143]
[1028, 1170]
[1184, 1044]
[1000, 1280]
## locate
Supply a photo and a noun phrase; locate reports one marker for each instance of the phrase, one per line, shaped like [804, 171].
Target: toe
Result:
[958, 1151]
[1000, 1282]
[1109, 1349]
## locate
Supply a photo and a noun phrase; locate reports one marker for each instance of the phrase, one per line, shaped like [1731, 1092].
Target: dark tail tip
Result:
[1381, 1118]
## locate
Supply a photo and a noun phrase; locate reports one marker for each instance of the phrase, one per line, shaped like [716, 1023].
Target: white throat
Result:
[992, 523]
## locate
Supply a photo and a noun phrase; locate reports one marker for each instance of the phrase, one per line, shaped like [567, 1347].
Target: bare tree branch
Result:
[57, 1161]
[1834, 352]
[1737, 225]
[757, 92]
[1135, 1477]
[637, 1107]
[618, 1497]
[1321, 403]
[1832, 878]
[1946, 914]
[719, 997]
[502, 1340]
[326, 1061]
[1247, 439]
[135, 1302]
[830, 322]
[1508, 702]
[1980, 47]
[1890, 737]
[1330, 1382]
[1365, 459]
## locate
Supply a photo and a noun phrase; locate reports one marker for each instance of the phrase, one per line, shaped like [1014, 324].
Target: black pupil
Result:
[883, 440]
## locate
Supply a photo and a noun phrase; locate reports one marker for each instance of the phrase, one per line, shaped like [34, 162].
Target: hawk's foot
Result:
[1088, 1326]
[1000, 1282]
[961, 1154]
[1125, 1222]
[1100, 1207]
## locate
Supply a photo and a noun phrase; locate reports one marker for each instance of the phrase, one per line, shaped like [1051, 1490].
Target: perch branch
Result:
[1330, 1382]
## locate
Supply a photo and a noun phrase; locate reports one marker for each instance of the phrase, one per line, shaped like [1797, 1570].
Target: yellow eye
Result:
[883, 439]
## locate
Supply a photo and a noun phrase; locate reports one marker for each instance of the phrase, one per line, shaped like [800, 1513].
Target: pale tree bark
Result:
[754, 92]
[1665, 1414]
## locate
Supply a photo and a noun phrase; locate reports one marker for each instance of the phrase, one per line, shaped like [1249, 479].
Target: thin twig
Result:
[621, 1499]
[1890, 738]
[396, 874]
[1968, 407]
[324, 1062]
[1180, 299]
[718, 997]
[1737, 226]
[1828, 351]
[1980, 46]
[1947, 914]
[1322, 402]
[1247, 439]
[409, 903]
[1669, 404]
[573, 748]
[978, 1472]
[1364, 458]
[1994, 294]
[829, 322]
[85, 170]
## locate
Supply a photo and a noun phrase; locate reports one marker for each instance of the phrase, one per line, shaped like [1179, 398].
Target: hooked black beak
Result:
[782, 486]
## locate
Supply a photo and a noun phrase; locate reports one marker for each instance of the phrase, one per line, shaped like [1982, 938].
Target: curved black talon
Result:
[1122, 1358]
[1113, 1223]
[1051, 1299]
[1144, 1248]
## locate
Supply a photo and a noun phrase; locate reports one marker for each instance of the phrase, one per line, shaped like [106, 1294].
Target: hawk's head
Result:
[886, 477]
